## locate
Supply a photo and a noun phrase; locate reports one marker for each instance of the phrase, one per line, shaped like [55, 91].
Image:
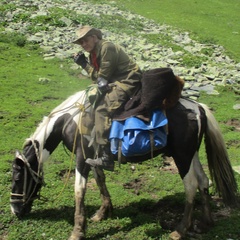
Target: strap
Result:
[119, 153]
[151, 136]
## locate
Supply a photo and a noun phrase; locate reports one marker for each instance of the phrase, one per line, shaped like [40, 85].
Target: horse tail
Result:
[219, 164]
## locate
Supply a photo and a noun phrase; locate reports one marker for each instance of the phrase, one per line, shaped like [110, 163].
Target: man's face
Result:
[88, 43]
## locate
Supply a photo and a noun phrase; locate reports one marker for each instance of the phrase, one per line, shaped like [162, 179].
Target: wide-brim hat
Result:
[85, 31]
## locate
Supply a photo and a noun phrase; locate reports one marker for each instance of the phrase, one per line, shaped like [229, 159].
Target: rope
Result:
[37, 176]
[82, 108]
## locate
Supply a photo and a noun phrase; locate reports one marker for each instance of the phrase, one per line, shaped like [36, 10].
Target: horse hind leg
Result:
[190, 182]
[195, 179]
[106, 208]
[203, 187]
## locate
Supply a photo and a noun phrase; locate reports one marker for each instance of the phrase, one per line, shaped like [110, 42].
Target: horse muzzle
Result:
[20, 210]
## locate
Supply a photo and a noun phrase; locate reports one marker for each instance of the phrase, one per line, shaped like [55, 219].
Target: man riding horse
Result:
[119, 79]
[188, 122]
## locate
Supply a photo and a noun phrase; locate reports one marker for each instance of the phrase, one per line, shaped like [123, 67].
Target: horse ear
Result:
[18, 154]
[18, 161]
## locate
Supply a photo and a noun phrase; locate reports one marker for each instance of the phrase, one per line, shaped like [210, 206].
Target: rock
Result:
[56, 42]
[236, 107]
[44, 80]
[35, 39]
[67, 21]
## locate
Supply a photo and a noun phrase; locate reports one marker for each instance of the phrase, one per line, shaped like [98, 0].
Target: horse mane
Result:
[71, 100]
[62, 108]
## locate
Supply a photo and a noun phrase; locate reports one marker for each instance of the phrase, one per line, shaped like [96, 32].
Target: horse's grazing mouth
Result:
[27, 180]
[19, 210]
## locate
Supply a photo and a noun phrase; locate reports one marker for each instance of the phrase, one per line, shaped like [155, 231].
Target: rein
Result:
[81, 108]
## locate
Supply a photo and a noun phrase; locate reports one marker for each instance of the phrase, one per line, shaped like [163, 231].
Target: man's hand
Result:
[80, 59]
[102, 85]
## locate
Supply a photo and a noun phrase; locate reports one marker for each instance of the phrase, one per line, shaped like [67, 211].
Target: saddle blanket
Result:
[136, 137]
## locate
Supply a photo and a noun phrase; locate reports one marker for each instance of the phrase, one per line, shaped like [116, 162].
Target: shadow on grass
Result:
[139, 213]
[164, 215]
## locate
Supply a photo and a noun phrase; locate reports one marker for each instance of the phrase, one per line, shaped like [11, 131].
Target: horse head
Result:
[27, 180]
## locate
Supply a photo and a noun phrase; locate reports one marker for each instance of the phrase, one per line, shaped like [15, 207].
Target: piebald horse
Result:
[71, 124]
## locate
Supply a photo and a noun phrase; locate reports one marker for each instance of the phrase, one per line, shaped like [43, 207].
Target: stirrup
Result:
[101, 163]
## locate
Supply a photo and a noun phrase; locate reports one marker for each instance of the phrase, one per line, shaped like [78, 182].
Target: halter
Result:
[37, 177]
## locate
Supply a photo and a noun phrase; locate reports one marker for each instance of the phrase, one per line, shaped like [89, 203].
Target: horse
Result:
[70, 123]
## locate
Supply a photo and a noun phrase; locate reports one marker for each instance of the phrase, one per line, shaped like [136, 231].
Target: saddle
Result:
[161, 89]
[140, 127]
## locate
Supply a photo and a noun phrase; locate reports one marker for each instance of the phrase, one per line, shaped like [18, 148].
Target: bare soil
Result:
[235, 123]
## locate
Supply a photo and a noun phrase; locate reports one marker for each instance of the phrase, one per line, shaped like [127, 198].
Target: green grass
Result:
[138, 212]
[210, 21]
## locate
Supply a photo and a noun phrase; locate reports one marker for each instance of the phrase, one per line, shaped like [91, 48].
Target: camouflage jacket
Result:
[114, 65]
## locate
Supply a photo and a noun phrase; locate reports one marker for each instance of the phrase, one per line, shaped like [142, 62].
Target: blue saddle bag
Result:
[138, 136]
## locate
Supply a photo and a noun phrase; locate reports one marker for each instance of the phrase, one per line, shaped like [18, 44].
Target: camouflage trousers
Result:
[105, 110]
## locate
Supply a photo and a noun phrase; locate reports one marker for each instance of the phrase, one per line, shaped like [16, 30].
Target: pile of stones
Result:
[56, 42]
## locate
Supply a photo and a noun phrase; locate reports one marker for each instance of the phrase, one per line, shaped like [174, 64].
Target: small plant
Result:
[24, 17]
[207, 51]
[162, 40]
[7, 7]
[192, 60]
[17, 39]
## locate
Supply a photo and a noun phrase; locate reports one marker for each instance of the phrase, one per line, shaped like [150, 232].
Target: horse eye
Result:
[16, 172]
[16, 167]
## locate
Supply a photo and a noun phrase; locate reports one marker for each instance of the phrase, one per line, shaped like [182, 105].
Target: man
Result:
[117, 77]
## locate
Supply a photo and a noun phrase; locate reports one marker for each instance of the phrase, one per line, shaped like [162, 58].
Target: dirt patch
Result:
[135, 185]
[169, 165]
[235, 123]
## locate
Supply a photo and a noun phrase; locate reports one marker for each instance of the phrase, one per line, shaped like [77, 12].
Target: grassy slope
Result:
[24, 101]
[210, 20]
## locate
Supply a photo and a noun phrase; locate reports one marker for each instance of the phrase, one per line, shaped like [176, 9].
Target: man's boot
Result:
[105, 162]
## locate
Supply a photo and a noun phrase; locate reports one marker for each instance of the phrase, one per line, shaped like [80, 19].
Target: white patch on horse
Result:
[80, 183]
[193, 106]
[45, 128]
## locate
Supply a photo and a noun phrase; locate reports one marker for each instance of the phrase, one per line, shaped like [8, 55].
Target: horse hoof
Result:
[95, 218]
[100, 215]
[175, 236]
[202, 227]
[79, 236]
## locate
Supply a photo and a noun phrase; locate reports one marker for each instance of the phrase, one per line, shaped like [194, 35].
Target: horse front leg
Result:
[78, 232]
[106, 208]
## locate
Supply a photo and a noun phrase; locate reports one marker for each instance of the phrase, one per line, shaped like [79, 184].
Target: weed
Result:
[16, 39]
[190, 60]
[162, 40]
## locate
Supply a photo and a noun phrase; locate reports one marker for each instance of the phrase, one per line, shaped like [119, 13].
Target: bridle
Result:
[37, 179]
